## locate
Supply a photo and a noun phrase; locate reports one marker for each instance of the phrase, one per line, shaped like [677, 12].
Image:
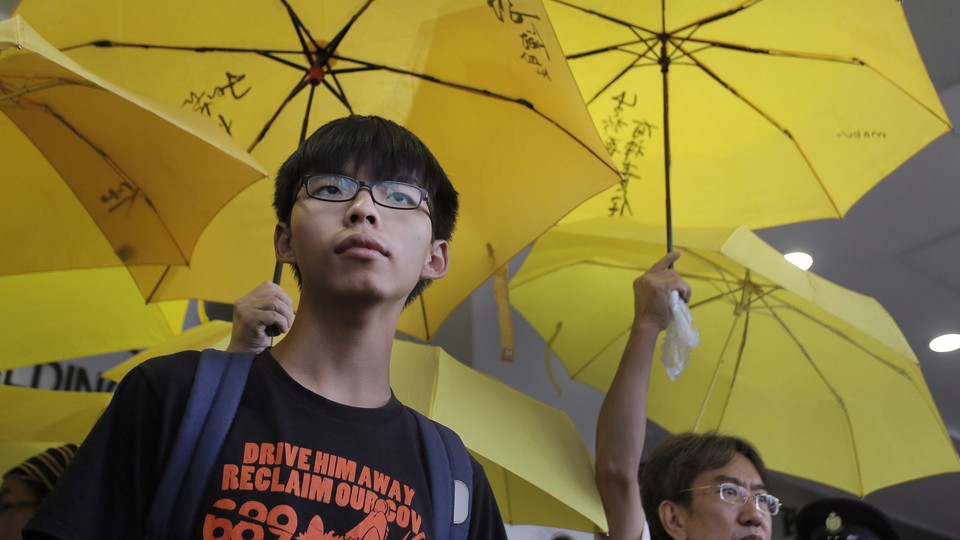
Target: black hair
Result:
[677, 461]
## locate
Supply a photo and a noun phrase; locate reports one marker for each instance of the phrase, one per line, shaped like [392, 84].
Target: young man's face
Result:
[708, 517]
[359, 249]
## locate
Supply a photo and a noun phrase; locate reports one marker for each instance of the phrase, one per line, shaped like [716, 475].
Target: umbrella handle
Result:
[272, 330]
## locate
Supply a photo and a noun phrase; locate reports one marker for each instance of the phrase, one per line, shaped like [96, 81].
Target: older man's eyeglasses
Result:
[736, 494]
[388, 193]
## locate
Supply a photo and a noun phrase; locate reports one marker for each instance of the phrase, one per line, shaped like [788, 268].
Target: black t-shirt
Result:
[294, 465]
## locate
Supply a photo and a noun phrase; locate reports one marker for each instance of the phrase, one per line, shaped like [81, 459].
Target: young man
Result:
[319, 447]
[693, 486]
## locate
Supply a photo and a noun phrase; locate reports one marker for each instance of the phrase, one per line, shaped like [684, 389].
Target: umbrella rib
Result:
[605, 17]
[107, 44]
[837, 332]
[488, 93]
[423, 311]
[338, 91]
[156, 286]
[896, 369]
[773, 123]
[717, 16]
[116, 168]
[850, 60]
[589, 362]
[816, 369]
[636, 63]
[616, 338]
[723, 272]
[14, 95]
[335, 42]
[306, 114]
[520, 280]
[296, 90]
[716, 371]
[614, 79]
[649, 42]
[301, 30]
[367, 66]
[714, 298]
[266, 53]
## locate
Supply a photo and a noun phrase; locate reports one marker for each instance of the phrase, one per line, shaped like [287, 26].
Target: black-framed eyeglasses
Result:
[340, 188]
[735, 494]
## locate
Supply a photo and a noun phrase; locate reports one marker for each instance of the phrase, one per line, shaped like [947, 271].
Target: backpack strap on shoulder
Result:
[217, 387]
[450, 473]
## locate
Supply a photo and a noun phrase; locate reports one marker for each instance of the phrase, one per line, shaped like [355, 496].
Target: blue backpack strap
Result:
[217, 387]
[450, 474]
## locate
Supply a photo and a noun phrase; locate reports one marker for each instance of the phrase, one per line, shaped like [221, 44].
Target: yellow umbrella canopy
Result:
[31, 415]
[485, 85]
[209, 335]
[817, 376]
[52, 316]
[32, 418]
[539, 468]
[753, 113]
[97, 176]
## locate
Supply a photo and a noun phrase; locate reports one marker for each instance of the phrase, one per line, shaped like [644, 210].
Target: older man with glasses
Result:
[694, 486]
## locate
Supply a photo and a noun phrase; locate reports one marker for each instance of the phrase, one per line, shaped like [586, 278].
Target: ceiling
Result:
[901, 245]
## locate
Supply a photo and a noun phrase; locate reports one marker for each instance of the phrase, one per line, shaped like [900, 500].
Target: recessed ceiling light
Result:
[799, 259]
[945, 343]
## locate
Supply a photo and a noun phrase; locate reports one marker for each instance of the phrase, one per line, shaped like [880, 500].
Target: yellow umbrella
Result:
[539, 468]
[31, 415]
[540, 471]
[32, 418]
[744, 112]
[486, 87]
[818, 377]
[97, 176]
[209, 335]
[75, 313]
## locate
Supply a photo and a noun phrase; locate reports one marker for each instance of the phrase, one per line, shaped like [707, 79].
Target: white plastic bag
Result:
[680, 338]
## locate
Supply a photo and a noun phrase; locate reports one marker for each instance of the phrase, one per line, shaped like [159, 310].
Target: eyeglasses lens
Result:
[764, 502]
[336, 188]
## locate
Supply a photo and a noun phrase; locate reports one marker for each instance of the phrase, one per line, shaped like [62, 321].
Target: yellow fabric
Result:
[779, 111]
[95, 175]
[51, 316]
[209, 335]
[29, 415]
[818, 377]
[539, 468]
[518, 165]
